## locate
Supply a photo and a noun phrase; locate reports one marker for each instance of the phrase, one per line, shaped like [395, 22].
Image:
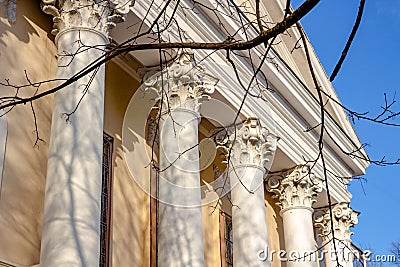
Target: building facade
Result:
[137, 162]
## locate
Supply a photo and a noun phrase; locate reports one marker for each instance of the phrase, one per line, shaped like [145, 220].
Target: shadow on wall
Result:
[275, 222]
[21, 202]
[129, 224]
[130, 207]
[25, 45]
[29, 17]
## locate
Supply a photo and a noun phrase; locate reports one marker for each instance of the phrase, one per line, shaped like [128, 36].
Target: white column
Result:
[343, 219]
[71, 223]
[248, 154]
[180, 232]
[295, 190]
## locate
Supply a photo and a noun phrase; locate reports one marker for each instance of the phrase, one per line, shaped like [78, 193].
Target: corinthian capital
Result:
[99, 15]
[344, 218]
[250, 144]
[181, 85]
[295, 188]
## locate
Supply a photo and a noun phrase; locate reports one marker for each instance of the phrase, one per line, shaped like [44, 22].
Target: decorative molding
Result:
[11, 10]
[181, 85]
[251, 144]
[344, 218]
[98, 15]
[295, 188]
[289, 92]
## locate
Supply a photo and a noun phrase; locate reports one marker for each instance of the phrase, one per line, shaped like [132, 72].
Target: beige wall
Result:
[130, 204]
[25, 46]
[211, 231]
[211, 228]
[275, 229]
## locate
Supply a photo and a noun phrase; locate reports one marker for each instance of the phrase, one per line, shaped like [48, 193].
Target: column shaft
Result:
[249, 148]
[249, 223]
[180, 232]
[71, 224]
[299, 237]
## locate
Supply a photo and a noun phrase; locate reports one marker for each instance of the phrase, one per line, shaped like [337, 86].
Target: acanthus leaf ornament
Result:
[295, 188]
[181, 85]
[250, 144]
[98, 15]
[344, 218]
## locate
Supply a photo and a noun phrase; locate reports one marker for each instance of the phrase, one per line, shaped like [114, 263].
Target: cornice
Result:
[289, 126]
[293, 98]
[300, 102]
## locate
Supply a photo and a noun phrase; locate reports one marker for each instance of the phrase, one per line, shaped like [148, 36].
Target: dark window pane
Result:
[105, 200]
[228, 241]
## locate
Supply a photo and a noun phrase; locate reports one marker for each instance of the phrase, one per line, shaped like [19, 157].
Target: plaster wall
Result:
[25, 45]
[130, 231]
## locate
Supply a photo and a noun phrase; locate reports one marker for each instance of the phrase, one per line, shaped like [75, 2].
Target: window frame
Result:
[223, 239]
[154, 203]
[110, 142]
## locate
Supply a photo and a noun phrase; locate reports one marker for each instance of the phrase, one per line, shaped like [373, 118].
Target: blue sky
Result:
[370, 70]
